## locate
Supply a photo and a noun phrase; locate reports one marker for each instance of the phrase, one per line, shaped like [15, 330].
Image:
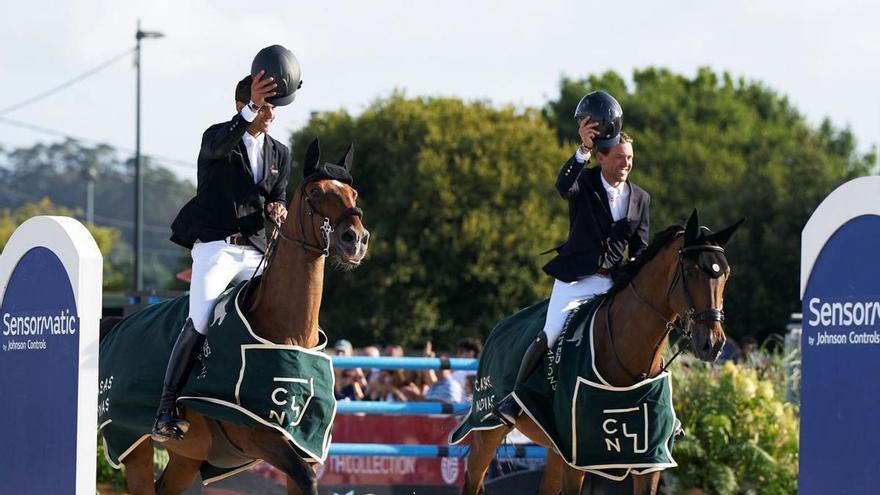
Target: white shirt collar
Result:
[611, 190]
[250, 140]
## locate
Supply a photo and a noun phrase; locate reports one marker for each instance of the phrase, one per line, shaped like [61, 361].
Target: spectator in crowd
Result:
[350, 383]
[446, 389]
[469, 383]
[394, 386]
[372, 374]
[467, 348]
[393, 350]
[343, 347]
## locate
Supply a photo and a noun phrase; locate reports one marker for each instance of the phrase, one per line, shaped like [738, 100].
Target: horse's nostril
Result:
[348, 237]
[366, 238]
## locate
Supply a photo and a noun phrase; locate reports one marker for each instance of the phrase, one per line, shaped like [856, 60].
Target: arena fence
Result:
[414, 408]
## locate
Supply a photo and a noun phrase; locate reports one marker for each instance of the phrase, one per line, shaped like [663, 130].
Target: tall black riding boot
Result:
[508, 409]
[169, 425]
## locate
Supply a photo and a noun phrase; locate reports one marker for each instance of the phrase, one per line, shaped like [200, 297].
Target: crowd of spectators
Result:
[396, 385]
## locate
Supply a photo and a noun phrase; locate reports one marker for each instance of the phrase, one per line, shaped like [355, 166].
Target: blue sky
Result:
[825, 56]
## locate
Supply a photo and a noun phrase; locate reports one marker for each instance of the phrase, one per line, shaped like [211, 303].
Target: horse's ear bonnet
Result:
[713, 262]
[312, 171]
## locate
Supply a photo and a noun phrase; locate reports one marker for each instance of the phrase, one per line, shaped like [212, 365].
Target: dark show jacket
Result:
[595, 242]
[227, 201]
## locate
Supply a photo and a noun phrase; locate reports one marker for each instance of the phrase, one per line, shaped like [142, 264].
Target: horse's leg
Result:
[482, 450]
[139, 469]
[572, 480]
[646, 484]
[178, 475]
[277, 451]
[551, 481]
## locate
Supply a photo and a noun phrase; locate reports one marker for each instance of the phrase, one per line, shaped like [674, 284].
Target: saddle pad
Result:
[240, 378]
[594, 426]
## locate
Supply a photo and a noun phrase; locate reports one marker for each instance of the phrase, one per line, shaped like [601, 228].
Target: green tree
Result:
[459, 199]
[731, 149]
[105, 237]
[59, 171]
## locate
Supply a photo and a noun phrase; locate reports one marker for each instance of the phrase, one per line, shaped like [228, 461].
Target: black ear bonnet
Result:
[705, 248]
[333, 171]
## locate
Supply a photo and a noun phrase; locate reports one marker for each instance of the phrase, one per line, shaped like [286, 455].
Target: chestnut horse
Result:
[671, 282]
[322, 221]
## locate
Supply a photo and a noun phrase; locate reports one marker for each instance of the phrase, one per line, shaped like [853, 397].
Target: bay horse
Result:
[679, 279]
[283, 308]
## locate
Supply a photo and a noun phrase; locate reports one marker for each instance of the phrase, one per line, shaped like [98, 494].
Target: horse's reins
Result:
[688, 319]
[327, 228]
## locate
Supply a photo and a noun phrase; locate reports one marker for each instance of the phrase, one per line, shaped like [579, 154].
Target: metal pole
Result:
[138, 183]
[138, 178]
[90, 199]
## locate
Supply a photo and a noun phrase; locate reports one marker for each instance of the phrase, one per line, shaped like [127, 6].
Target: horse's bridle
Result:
[682, 322]
[327, 227]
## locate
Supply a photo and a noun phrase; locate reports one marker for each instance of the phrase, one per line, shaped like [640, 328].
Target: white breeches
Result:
[567, 296]
[215, 264]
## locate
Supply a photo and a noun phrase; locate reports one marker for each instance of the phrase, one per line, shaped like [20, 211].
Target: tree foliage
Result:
[731, 149]
[59, 171]
[459, 200]
[105, 237]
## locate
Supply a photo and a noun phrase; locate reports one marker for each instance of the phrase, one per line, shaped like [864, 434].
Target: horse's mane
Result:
[629, 271]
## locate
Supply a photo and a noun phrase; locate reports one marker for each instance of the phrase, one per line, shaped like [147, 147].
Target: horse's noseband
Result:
[324, 231]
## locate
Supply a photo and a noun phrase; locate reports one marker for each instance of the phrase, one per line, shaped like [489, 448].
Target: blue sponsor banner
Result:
[840, 386]
[39, 362]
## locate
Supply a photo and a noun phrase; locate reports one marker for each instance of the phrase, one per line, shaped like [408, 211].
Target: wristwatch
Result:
[584, 149]
[253, 106]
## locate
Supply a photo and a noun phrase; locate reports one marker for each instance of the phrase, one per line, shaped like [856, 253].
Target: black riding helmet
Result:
[279, 62]
[601, 107]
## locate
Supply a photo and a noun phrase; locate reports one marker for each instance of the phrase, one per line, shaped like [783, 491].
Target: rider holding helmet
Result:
[607, 215]
[242, 179]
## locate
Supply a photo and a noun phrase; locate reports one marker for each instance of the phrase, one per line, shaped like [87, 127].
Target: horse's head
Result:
[699, 286]
[329, 222]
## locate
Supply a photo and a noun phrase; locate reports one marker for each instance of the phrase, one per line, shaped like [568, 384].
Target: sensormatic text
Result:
[61, 324]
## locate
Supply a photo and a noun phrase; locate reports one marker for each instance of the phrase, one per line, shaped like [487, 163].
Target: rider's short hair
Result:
[624, 138]
[243, 90]
[470, 344]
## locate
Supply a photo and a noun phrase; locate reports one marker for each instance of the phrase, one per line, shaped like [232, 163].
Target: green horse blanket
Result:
[606, 430]
[239, 377]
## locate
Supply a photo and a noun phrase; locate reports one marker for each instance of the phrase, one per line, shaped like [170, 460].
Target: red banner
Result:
[383, 470]
[379, 475]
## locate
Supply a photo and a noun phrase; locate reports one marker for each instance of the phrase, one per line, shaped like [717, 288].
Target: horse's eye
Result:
[315, 192]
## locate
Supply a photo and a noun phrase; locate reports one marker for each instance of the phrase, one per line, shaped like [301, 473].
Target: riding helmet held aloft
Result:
[280, 63]
[601, 107]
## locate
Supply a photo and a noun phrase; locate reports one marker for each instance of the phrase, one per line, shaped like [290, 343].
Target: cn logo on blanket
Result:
[625, 425]
[293, 396]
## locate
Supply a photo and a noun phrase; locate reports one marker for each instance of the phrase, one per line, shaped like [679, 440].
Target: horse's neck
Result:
[636, 327]
[288, 300]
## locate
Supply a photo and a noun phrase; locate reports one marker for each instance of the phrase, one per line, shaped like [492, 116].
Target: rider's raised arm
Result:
[567, 182]
[219, 139]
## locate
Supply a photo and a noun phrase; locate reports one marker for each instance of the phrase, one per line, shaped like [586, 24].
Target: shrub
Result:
[742, 437]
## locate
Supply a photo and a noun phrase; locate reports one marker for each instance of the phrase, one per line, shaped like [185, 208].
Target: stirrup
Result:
[173, 428]
[507, 411]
